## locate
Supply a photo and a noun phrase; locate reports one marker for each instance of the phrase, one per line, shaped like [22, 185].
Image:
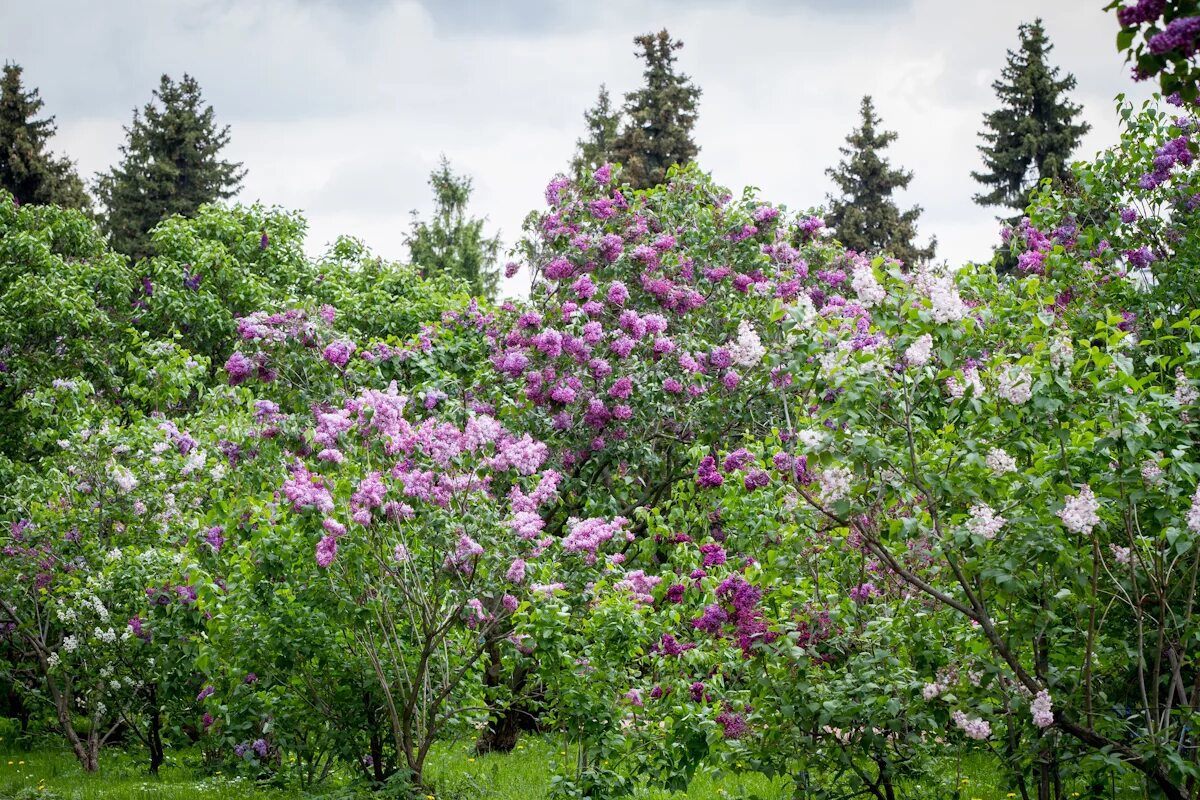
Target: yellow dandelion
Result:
[471, 760]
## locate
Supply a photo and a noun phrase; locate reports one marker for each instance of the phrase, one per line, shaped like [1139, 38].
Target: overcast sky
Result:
[341, 109]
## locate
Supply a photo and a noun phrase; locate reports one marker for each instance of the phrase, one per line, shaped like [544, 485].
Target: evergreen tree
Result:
[27, 170]
[603, 122]
[170, 165]
[865, 217]
[452, 243]
[1033, 133]
[660, 116]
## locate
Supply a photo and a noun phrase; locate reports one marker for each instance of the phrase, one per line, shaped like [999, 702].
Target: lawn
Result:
[454, 771]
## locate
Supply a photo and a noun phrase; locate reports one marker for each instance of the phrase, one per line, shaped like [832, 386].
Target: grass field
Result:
[454, 772]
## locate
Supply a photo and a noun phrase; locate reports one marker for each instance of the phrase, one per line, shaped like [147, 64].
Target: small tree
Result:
[661, 116]
[1031, 136]
[27, 170]
[865, 217]
[451, 243]
[603, 123]
[170, 165]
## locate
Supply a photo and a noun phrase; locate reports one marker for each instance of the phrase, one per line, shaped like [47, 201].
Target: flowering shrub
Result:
[91, 567]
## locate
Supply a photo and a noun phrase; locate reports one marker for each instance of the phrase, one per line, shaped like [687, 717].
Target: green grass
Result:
[454, 771]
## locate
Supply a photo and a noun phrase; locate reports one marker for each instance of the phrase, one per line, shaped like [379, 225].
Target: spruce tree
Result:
[452, 243]
[27, 169]
[865, 217]
[1031, 136]
[170, 165]
[660, 116]
[603, 122]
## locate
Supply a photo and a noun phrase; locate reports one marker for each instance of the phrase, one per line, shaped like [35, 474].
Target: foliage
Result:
[1160, 38]
[64, 300]
[865, 217]
[170, 164]
[27, 171]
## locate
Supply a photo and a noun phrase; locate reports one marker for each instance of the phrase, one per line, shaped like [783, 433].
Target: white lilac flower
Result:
[195, 461]
[984, 522]
[1193, 517]
[1062, 352]
[124, 479]
[1000, 462]
[835, 484]
[748, 350]
[1151, 472]
[1185, 393]
[947, 304]
[866, 286]
[919, 351]
[810, 439]
[1079, 512]
[1015, 385]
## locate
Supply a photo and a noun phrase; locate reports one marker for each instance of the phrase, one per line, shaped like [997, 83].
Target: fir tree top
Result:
[170, 165]
[453, 243]
[27, 170]
[660, 115]
[865, 216]
[603, 121]
[1031, 136]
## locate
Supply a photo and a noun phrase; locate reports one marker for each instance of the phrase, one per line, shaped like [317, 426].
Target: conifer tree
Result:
[865, 217]
[452, 243]
[27, 169]
[603, 122]
[170, 165]
[1031, 136]
[660, 116]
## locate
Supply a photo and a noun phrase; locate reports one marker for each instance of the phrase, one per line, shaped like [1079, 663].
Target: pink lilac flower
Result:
[707, 476]
[1043, 717]
[338, 353]
[733, 725]
[239, 368]
[863, 593]
[326, 551]
[712, 555]
[973, 727]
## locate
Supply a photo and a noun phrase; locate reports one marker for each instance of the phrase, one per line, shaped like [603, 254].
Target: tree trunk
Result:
[502, 733]
[503, 730]
[154, 735]
[62, 709]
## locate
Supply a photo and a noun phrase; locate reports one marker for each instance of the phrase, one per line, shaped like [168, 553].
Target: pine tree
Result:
[603, 122]
[865, 217]
[452, 243]
[660, 116]
[1031, 136]
[170, 165]
[27, 170]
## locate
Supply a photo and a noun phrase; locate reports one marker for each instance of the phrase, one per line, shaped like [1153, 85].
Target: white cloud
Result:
[341, 110]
